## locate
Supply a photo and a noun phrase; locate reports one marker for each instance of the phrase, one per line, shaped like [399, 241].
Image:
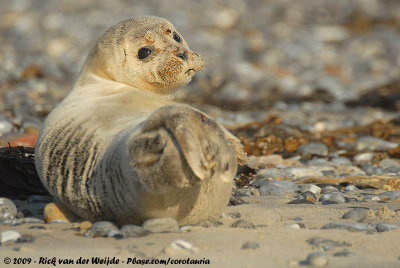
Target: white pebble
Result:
[9, 235]
[310, 188]
[179, 247]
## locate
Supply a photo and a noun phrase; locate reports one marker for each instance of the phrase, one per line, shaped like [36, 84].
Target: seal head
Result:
[147, 53]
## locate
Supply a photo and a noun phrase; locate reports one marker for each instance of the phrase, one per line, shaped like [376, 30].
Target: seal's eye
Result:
[177, 38]
[143, 53]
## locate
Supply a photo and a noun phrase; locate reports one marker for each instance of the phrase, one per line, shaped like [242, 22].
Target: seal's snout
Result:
[197, 62]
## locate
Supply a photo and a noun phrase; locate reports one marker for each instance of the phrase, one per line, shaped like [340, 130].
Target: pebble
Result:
[9, 235]
[305, 172]
[350, 188]
[310, 188]
[317, 259]
[343, 253]
[326, 244]
[300, 202]
[161, 225]
[389, 194]
[13, 222]
[387, 163]
[133, 231]
[84, 226]
[25, 239]
[309, 196]
[329, 189]
[243, 224]
[179, 247]
[363, 157]
[312, 149]
[372, 197]
[371, 143]
[103, 229]
[5, 127]
[250, 245]
[232, 215]
[332, 198]
[341, 161]
[356, 214]
[33, 220]
[350, 226]
[278, 187]
[58, 212]
[38, 227]
[8, 210]
[384, 227]
[296, 225]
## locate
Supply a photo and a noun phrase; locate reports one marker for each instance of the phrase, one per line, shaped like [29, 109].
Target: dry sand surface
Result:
[279, 245]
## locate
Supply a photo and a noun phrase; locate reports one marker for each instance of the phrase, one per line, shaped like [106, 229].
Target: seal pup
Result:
[118, 148]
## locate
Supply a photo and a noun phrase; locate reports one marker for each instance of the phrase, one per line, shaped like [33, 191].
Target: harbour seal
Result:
[118, 148]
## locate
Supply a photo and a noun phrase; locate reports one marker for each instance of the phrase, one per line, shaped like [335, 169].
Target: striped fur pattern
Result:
[112, 150]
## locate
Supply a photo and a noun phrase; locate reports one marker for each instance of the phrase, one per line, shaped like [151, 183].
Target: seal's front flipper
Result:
[198, 138]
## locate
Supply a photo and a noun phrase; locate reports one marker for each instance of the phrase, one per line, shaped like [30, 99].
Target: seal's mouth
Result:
[190, 71]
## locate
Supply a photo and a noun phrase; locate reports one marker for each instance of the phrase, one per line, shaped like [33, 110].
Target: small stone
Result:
[329, 189]
[371, 143]
[350, 226]
[232, 215]
[39, 199]
[250, 245]
[356, 214]
[350, 188]
[301, 202]
[384, 227]
[5, 127]
[363, 157]
[179, 247]
[325, 244]
[9, 235]
[161, 225]
[309, 196]
[102, 229]
[243, 224]
[254, 192]
[38, 227]
[390, 195]
[372, 197]
[332, 198]
[13, 222]
[115, 233]
[388, 162]
[296, 225]
[59, 221]
[58, 212]
[25, 239]
[133, 231]
[278, 188]
[84, 226]
[8, 210]
[310, 188]
[341, 161]
[344, 253]
[317, 259]
[33, 220]
[312, 149]
[305, 172]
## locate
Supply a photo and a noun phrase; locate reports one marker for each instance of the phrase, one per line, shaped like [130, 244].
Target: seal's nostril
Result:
[183, 56]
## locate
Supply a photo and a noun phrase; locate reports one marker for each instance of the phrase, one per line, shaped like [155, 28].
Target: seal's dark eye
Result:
[177, 38]
[143, 53]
